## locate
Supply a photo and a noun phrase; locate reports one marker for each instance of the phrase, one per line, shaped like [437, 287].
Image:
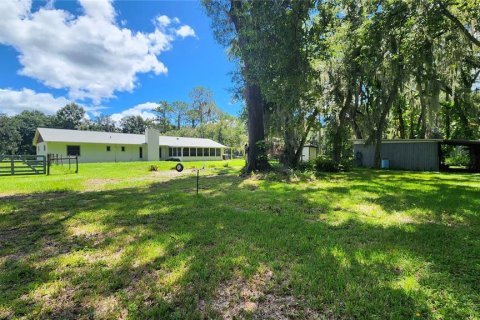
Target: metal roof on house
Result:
[362, 141]
[81, 136]
[460, 142]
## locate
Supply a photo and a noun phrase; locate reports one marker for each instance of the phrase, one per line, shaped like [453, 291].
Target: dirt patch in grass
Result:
[173, 173]
[106, 307]
[96, 183]
[258, 298]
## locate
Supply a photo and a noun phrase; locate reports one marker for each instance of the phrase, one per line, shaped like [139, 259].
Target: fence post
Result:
[12, 165]
[48, 163]
[76, 164]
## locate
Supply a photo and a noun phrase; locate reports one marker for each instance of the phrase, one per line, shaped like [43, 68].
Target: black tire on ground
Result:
[179, 167]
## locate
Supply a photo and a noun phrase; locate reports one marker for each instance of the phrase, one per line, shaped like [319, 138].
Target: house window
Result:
[123, 149]
[212, 152]
[140, 152]
[174, 152]
[186, 152]
[160, 152]
[73, 150]
[205, 152]
[108, 148]
[218, 152]
[193, 152]
[200, 152]
[44, 148]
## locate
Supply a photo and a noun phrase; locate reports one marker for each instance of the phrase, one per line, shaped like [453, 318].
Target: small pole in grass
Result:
[198, 174]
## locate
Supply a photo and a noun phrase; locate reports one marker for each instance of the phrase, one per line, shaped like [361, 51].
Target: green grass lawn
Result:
[117, 241]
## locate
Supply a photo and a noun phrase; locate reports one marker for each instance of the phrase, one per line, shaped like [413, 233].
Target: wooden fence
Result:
[11, 165]
[61, 160]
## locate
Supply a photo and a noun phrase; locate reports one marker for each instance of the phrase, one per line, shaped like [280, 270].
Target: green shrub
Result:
[324, 164]
[346, 165]
[307, 165]
[458, 157]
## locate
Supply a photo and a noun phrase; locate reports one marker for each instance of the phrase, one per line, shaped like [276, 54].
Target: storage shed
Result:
[309, 152]
[414, 154]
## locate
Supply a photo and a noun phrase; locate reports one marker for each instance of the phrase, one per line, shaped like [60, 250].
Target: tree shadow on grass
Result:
[159, 251]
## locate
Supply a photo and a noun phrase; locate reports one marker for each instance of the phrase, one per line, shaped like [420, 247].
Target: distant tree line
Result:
[198, 118]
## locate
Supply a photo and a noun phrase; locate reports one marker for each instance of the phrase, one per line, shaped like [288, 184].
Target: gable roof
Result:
[81, 136]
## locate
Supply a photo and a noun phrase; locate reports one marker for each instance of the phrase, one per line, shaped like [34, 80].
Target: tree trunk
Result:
[447, 117]
[310, 122]
[256, 158]
[422, 119]
[386, 106]
[401, 121]
[378, 134]
[411, 122]
[339, 129]
[356, 128]
[459, 108]
[422, 123]
[290, 138]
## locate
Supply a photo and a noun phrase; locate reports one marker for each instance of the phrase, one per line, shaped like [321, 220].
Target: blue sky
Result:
[116, 57]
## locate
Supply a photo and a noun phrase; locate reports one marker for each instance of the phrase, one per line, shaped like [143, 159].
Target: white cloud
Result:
[13, 101]
[164, 20]
[94, 110]
[89, 55]
[98, 9]
[185, 31]
[144, 110]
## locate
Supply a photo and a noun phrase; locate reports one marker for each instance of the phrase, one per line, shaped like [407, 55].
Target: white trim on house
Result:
[95, 146]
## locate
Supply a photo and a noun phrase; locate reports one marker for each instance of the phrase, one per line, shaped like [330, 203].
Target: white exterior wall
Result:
[41, 148]
[90, 152]
[305, 154]
[164, 152]
[151, 138]
[308, 153]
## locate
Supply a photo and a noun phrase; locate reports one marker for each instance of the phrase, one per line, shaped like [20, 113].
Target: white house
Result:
[94, 146]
